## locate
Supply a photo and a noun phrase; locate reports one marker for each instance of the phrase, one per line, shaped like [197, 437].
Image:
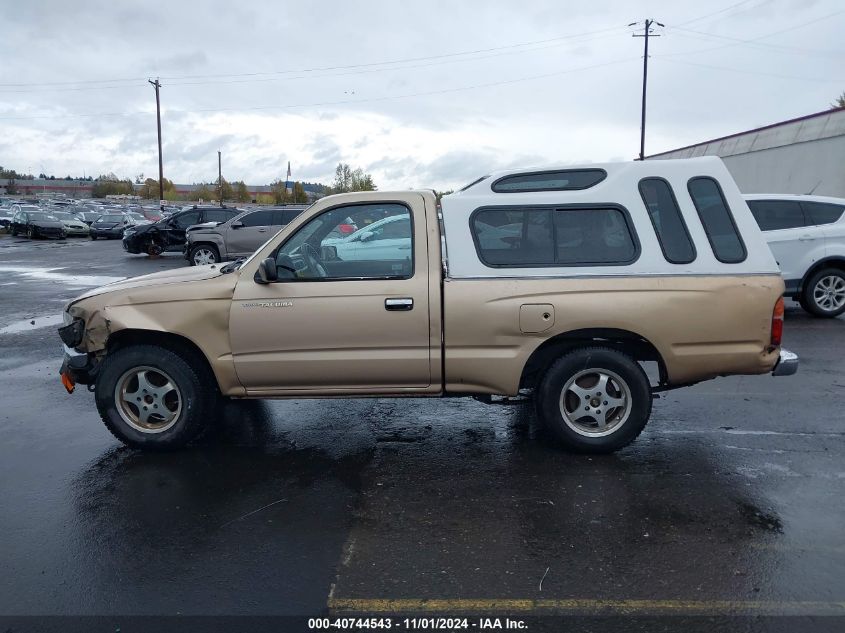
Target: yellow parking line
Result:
[589, 606]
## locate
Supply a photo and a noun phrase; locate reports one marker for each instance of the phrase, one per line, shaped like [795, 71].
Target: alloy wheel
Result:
[829, 293]
[204, 256]
[595, 402]
[148, 399]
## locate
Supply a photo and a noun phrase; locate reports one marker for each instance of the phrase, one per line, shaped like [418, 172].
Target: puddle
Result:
[33, 323]
[56, 274]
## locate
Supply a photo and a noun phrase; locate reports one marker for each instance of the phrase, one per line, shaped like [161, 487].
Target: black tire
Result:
[30, 234]
[93, 237]
[197, 396]
[13, 232]
[816, 302]
[627, 383]
[213, 253]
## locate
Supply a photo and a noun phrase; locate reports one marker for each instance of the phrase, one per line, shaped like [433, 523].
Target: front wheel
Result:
[30, 233]
[202, 254]
[93, 237]
[149, 397]
[595, 400]
[824, 293]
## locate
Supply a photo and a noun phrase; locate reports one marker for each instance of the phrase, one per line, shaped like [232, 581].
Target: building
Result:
[46, 186]
[798, 156]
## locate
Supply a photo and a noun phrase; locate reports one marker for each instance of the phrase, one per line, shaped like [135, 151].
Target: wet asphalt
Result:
[732, 501]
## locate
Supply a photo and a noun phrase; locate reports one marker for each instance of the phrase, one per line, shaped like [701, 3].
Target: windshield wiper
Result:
[233, 266]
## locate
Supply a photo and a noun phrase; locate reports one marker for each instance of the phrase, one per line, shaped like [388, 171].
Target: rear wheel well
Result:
[838, 263]
[177, 344]
[637, 347]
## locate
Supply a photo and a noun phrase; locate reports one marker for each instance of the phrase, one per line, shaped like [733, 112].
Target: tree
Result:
[11, 173]
[225, 191]
[347, 179]
[150, 190]
[241, 192]
[839, 102]
[110, 185]
[203, 192]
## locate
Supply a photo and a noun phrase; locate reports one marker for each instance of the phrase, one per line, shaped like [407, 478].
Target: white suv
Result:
[807, 237]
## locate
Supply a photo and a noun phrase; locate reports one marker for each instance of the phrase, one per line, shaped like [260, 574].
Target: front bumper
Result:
[77, 231]
[787, 363]
[58, 234]
[81, 369]
[109, 233]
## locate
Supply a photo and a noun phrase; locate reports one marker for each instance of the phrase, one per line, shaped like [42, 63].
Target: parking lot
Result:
[730, 503]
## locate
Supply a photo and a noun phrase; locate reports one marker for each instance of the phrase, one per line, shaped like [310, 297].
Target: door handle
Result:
[399, 305]
[262, 230]
[806, 238]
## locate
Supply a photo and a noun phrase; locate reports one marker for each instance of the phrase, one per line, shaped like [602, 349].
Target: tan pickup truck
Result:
[555, 284]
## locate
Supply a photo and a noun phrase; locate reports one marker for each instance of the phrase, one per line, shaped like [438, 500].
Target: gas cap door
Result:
[536, 317]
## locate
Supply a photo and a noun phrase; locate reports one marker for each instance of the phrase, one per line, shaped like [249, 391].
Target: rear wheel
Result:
[93, 237]
[30, 233]
[202, 254]
[595, 400]
[150, 397]
[824, 293]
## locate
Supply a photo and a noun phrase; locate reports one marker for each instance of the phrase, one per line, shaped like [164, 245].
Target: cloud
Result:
[240, 78]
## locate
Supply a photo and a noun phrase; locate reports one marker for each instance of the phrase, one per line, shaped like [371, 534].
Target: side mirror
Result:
[366, 236]
[237, 225]
[266, 272]
[328, 253]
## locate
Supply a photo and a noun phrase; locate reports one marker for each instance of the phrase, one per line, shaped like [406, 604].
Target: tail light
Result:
[777, 323]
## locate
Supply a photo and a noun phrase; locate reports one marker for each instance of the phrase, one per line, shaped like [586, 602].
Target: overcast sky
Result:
[420, 94]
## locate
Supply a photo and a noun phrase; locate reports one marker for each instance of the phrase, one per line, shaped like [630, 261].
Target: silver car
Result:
[214, 242]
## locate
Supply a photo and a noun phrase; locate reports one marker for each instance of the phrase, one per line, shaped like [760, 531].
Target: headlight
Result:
[129, 231]
[71, 335]
[66, 318]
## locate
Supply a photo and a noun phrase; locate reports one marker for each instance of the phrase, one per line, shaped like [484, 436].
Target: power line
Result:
[755, 39]
[328, 68]
[332, 103]
[710, 15]
[785, 48]
[309, 76]
[756, 72]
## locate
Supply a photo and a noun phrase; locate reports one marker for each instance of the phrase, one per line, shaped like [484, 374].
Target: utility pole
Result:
[220, 175]
[647, 32]
[157, 85]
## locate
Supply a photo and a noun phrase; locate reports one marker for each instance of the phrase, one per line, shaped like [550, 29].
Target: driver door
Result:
[334, 327]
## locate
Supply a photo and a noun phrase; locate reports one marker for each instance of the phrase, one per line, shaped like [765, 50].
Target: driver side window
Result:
[349, 243]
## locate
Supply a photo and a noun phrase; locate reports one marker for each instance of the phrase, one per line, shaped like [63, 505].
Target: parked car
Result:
[111, 226]
[72, 224]
[33, 222]
[615, 265]
[85, 214]
[807, 237]
[5, 218]
[386, 238]
[238, 237]
[169, 233]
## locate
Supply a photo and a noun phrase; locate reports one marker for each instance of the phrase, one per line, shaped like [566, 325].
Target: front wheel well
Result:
[637, 347]
[177, 344]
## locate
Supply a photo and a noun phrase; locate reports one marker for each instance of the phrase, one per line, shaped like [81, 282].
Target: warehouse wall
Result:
[817, 166]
